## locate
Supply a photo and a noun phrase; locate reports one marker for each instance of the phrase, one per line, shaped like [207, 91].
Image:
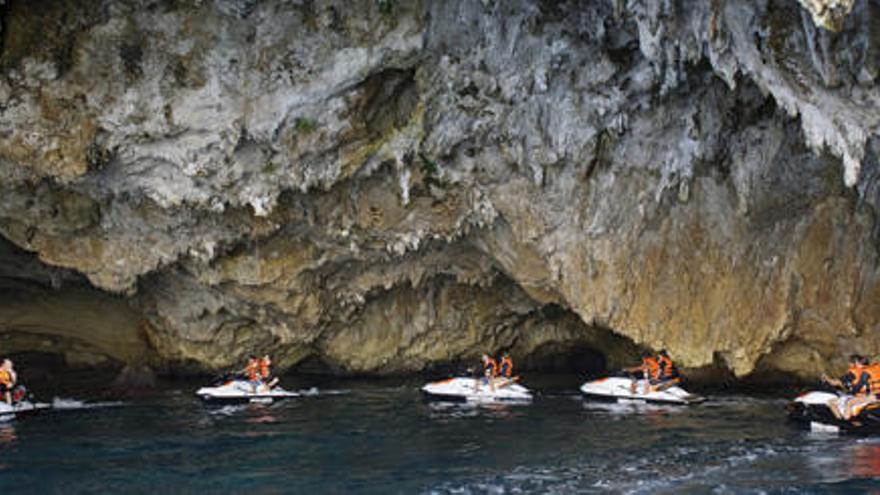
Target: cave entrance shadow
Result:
[576, 358]
[46, 374]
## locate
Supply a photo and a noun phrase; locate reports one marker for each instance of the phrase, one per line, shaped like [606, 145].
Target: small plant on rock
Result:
[385, 6]
[305, 125]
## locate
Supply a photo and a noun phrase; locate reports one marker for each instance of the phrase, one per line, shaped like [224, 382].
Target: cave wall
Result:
[55, 311]
[386, 185]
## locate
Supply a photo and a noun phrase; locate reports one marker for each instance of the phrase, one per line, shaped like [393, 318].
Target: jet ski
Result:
[235, 390]
[21, 405]
[620, 389]
[813, 410]
[463, 389]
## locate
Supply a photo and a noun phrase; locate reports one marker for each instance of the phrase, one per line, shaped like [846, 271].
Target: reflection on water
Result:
[8, 439]
[262, 416]
[865, 460]
[7, 435]
[441, 411]
[632, 407]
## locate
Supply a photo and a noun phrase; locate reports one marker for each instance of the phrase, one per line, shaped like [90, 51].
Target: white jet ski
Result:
[465, 390]
[620, 389]
[813, 410]
[240, 391]
[21, 406]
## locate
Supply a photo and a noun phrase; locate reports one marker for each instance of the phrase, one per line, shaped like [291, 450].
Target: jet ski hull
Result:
[465, 390]
[21, 408]
[240, 392]
[813, 411]
[620, 389]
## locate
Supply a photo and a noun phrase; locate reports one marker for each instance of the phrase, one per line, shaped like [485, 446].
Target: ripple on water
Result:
[694, 468]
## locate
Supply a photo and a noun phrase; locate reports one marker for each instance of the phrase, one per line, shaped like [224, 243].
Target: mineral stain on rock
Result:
[383, 187]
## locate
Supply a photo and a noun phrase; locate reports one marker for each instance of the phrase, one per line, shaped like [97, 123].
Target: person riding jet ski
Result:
[667, 374]
[505, 369]
[490, 371]
[855, 381]
[253, 384]
[657, 373]
[503, 387]
[15, 400]
[648, 371]
[252, 371]
[8, 379]
[266, 377]
[861, 383]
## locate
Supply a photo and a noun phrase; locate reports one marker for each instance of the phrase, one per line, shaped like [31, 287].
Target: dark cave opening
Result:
[49, 374]
[566, 358]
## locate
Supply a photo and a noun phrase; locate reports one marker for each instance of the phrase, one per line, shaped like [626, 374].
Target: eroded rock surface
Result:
[386, 185]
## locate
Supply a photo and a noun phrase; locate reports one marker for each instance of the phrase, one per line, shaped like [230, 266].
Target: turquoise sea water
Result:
[381, 437]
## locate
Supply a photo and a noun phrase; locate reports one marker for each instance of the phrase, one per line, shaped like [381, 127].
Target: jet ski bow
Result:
[462, 389]
[619, 389]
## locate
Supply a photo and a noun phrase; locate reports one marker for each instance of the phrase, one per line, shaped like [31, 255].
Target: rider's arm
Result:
[834, 382]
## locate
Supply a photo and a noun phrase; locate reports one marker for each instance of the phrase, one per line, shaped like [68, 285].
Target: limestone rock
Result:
[829, 14]
[383, 187]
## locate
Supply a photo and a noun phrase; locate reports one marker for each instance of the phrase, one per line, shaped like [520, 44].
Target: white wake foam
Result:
[66, 403]
[314, 392]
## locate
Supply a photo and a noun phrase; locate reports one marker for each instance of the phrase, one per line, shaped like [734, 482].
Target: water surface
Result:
[381, 437]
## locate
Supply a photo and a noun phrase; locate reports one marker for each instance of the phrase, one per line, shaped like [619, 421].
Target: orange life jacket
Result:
[264, 368]
[5, 378]
[506, 367]
[491, 365]
[874, 374]
[651, 367]
[252, 369]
